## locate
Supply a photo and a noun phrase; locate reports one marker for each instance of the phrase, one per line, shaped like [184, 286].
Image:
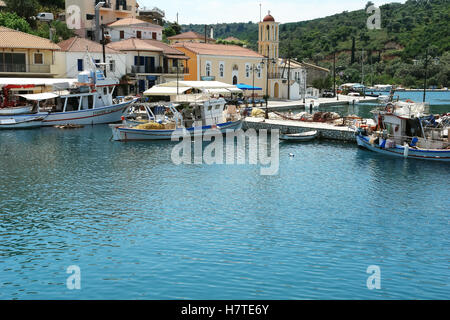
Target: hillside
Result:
[391, 55]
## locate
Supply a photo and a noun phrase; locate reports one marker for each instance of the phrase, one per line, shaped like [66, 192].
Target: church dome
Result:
[269, 18]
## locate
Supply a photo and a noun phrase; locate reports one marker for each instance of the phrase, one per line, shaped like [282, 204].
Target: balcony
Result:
[25, 68]
[158, 70]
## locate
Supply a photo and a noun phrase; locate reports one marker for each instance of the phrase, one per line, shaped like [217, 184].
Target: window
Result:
[139, 34]
[258, 69]
[122, 34]
[222, 69]
[80, 65]
[208, 69]
[247, 70]
[154, 35]
[112, 65]
[38, 58]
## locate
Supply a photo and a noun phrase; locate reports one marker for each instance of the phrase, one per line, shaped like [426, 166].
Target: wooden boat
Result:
[15, 110]
[23, 123]
[404, 130]
[208, 115]
[304, 136]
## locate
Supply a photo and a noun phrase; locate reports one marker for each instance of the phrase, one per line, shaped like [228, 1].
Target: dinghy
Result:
[304, 136]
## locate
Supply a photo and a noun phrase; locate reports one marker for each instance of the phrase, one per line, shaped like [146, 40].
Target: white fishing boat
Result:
[28, 122]
[15, 110]
[90, 102]
[404, 130]
[165, 120]
[304, 136]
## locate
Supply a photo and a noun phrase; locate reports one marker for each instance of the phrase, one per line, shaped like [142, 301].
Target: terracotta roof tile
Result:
[218, 49]
[132, 21]
[77, 44]
[189, 35]
[10, 38]
[134, 44]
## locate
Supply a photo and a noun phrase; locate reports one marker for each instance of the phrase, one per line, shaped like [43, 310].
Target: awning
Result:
[36, 81]
[243, 86]
[39, 96]
[174, 56]
[165, 91]
[217, 91]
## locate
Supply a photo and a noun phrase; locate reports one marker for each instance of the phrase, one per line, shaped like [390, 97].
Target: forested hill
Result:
[406, 31]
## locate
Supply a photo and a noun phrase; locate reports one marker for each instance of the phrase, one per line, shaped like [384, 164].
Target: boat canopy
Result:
[165, 91]
[39, 96]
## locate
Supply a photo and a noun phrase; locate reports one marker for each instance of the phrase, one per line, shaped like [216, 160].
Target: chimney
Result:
[212, 33]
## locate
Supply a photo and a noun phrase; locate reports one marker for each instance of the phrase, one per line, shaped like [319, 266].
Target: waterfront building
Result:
[80, 14]
[124, 29]
[190, 36]
[231, 64]
[150, 62]
[25, 55]
[71, 60]
[155, 15]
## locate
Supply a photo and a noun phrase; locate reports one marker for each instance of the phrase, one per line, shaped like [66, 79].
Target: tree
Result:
[23, 8]
[13, 21]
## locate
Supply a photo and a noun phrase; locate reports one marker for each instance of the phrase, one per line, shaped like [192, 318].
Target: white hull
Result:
[15, 111]
[304, 136]
[399, 151]
[101, 115]
[129, 134]
[24, 123]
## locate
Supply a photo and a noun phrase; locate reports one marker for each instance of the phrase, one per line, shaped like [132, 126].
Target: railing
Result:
[147, 69]
[32, 68]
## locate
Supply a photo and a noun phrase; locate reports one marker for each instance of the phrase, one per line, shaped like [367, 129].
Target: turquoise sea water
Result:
[140, 227]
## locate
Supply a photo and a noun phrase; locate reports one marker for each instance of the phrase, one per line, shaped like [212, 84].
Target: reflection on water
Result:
[140, 227]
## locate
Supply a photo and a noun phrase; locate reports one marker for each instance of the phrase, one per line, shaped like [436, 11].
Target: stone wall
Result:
[332, 134]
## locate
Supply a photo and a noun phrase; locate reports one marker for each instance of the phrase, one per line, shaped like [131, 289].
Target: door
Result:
[276, 90]
[141, 86]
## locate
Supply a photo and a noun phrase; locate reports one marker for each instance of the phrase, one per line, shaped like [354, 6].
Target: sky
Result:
[226, 11]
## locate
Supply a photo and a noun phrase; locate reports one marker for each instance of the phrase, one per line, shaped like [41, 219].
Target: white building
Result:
[72, 58]
[124, 29]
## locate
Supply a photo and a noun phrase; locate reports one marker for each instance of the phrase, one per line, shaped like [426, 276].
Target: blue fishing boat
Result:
[403, 130]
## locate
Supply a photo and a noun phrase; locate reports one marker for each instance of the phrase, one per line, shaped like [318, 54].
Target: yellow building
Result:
[225, 63]
[111, 11]
[25, 55]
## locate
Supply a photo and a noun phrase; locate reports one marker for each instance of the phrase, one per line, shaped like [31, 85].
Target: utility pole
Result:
[104, 49]
[205, 32]
[289, 71]
[334, 73]
[425, 79]
[362, 72]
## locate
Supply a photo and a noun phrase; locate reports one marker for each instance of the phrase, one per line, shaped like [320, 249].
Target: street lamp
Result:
[254, 68]
[269, 61]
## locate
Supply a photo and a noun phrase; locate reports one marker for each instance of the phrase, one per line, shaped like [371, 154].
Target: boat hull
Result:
[129, 134]
[306, 136]
[24, 123]
[399, 151]
[15, 111]
[103, 115]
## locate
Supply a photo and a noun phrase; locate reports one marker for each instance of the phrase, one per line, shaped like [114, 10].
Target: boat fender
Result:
[406, 150]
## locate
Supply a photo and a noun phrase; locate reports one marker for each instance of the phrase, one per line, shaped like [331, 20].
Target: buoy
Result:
[406, 150]
[291, 155]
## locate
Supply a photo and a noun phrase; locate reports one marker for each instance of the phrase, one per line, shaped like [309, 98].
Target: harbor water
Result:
[140, 227]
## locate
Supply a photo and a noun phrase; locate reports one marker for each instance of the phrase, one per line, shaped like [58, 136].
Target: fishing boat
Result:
[165, 120]
[15, 111]
[90, 102]
[304, 136]
[405, 130]
[28, 122]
